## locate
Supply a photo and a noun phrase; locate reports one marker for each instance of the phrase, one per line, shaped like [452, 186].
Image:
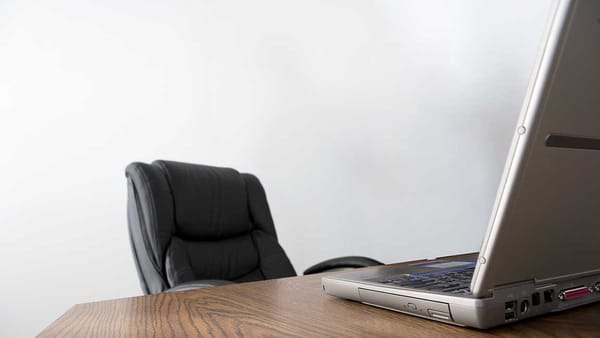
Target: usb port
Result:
[510, 306]
[535, 298]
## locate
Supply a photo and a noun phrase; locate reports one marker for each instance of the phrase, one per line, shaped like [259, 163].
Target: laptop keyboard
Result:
[454, 282]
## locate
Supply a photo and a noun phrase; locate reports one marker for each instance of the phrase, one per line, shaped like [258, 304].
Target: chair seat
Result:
[199, 284]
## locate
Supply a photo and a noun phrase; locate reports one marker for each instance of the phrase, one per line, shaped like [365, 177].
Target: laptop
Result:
[541, 251]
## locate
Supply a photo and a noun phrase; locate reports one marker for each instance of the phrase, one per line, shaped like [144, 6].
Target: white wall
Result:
[378, 128]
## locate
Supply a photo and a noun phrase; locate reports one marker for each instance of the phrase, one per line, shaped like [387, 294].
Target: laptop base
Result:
[506, 304]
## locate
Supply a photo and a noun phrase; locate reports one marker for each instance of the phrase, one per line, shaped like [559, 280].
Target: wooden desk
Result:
[284, 307]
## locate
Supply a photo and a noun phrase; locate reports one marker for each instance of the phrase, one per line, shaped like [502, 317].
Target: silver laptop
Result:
[541, 251]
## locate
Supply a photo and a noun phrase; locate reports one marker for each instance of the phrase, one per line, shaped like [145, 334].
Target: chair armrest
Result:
[342, 263]
[198, 284]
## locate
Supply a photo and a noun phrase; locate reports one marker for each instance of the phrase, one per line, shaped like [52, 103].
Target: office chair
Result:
[194, 226]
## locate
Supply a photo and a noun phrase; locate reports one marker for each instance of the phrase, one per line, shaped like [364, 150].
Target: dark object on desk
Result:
[194, 226]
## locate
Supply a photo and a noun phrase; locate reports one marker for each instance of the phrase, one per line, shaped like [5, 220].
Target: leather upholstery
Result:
[197, 284]
[342, 263]
[191, 222]
[214, 198]
[194, 226]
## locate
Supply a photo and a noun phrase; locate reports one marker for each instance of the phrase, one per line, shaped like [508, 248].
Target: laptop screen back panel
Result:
[546, 223]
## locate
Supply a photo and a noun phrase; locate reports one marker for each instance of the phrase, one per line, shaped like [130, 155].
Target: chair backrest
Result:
[192, 222]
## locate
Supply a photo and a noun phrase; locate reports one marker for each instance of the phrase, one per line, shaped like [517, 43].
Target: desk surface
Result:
[283, 307]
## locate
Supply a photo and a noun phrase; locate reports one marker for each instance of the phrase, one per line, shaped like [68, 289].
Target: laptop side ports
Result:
[524, 307]
[510, 310]
[574, 293]
[535, 299]
[548, 296]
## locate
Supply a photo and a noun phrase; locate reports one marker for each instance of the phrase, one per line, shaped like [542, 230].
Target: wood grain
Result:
[290, 307]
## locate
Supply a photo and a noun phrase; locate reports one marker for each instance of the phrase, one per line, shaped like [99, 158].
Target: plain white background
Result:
[378, 128]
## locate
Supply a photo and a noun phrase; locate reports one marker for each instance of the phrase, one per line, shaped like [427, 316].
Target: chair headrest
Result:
[209, 202]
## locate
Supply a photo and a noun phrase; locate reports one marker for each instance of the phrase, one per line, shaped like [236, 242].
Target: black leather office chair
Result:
[193, 226]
